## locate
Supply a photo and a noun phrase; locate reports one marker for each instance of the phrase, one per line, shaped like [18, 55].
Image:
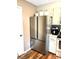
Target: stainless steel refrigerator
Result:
[38, 34]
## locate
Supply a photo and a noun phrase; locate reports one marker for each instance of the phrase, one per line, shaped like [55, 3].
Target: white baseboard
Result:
[27, 50]
[24, 52]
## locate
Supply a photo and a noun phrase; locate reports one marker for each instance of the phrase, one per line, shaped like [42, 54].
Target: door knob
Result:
[20, 35]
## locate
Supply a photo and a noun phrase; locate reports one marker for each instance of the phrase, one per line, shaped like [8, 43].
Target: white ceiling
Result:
[40, 2]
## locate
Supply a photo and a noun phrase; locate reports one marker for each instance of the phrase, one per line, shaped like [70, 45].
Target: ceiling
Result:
[40, 2]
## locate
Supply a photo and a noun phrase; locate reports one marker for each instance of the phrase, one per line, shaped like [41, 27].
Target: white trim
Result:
[25, 51]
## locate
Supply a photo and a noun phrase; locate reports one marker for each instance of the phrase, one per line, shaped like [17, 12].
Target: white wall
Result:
[8, 29]
[27, 11]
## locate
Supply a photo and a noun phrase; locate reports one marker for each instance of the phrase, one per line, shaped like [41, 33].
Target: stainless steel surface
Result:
[38, 33]
[32, 26]
[39, 46]
[42, 28]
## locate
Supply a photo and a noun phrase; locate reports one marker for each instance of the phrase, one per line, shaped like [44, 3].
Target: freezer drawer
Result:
[39, 46]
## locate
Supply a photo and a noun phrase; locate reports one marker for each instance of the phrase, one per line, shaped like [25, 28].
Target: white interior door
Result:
[20, 40]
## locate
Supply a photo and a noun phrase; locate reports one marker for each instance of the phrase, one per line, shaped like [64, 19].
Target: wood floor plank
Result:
[51, 56]
[32, 56]
[36, 55]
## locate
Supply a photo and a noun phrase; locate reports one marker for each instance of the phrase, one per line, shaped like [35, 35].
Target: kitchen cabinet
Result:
[52, 44]
[58, 53]
[58, 58]
[56, 16]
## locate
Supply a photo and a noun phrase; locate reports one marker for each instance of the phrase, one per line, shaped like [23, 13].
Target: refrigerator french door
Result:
[38, 33]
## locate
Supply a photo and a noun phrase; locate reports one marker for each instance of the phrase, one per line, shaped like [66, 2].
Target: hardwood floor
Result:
[36, 55]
